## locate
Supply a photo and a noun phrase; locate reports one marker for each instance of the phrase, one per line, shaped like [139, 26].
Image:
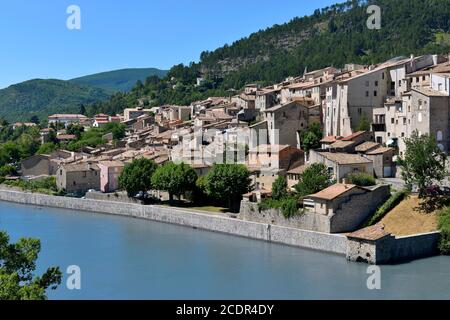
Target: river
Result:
[125, 258]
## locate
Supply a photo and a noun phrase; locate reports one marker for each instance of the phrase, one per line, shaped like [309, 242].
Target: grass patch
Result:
[45, 185]
[193, 206]
[390, 204]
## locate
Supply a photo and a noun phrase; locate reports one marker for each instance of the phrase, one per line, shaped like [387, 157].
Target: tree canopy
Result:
[17, 267]
[423, 163]
[227, 183]
[176, 179]
[314, 179]
[137, 176]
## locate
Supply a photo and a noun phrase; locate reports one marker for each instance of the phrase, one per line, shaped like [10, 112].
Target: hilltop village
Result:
[352, 121]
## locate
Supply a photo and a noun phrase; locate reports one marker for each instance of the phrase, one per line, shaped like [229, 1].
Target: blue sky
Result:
[125, 34]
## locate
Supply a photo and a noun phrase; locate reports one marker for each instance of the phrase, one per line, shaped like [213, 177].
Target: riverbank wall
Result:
[332, 243]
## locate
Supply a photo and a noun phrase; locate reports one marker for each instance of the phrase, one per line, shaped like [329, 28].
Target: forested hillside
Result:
[119, 80]
[41, 98]
[331, 36]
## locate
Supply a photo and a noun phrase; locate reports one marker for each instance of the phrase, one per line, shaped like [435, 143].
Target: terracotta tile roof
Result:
[68, 116]
[370, 233]
[330, 139]
[66, 137]
[298, 170]
[342, 144]
[429, 92]
[333, 191]
[345, 158]
[379, 150]
[366, 146]
[111, 163]
[353, 136]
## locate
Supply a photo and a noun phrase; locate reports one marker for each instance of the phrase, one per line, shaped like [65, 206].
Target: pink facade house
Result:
[109, 175]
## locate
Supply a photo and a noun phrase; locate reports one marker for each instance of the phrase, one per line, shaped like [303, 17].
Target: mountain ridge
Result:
[42, 97]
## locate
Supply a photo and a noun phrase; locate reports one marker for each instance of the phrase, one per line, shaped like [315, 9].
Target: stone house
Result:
[109, 175]
[283, 122]
[38, 165]
[133, 113]
[430, 110]
[343, 207]
[383, 161]
[78, 178]
[293, 176]
[268, 162]
[67, 119]
[357, 93]
[340, 165]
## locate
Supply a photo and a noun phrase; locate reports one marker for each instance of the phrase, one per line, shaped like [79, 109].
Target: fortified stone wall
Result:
[390, 249]
[278, 234]
[249, 211]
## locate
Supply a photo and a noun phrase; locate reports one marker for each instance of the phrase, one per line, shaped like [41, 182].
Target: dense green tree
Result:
[75, 129]
[34, 119]
[423, 163]
[279, 188]
[137, 176]
[17, 267]
[310, 138]
[364, 123]
[314, 179]
[227, 183]
[83, 110]
[47, 148]
[176, 179]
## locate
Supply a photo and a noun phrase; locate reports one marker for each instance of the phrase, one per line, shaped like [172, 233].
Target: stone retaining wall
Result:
[391, 249]
[332, 243]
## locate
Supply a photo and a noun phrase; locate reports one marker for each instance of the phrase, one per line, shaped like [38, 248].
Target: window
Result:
[375, 93]
[376, 83]
[419, 117]
[404, 120]
[74, 183]
[367, 93]
[84, 174]
[382, 75]
[359, 111]
[403, 134]
[439, 136]
[392, 120]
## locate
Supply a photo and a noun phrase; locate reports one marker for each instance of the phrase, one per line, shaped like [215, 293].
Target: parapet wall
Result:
[272, 233]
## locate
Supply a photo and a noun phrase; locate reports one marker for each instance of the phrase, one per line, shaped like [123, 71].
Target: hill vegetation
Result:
[119, 80]
[41, 98]
[335, 35]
